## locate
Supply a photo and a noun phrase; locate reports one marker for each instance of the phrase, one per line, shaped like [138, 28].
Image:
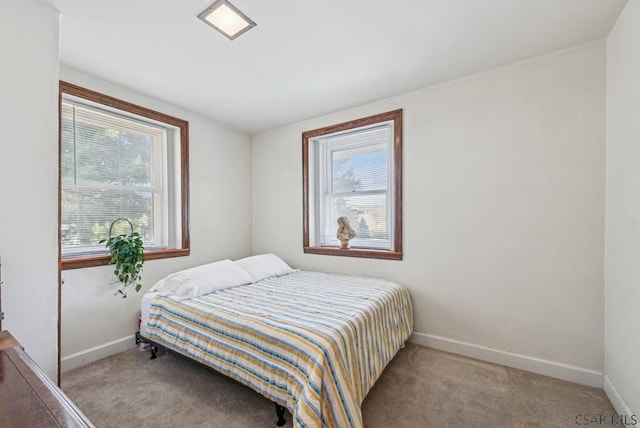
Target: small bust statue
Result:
[345, 232]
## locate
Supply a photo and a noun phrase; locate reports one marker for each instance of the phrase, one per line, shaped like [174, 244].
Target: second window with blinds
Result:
[120, 161]
[354, 170]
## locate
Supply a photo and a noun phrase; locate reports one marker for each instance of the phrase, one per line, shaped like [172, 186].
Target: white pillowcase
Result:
[203, 279]
[264, 266]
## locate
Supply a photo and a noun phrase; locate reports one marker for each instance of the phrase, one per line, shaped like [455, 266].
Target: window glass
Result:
[118, 164]
[353, 170]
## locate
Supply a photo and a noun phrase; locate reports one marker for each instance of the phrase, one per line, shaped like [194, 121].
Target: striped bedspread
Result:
[311, 341]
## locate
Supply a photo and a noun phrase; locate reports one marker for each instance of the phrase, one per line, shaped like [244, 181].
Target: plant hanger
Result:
[117, 220]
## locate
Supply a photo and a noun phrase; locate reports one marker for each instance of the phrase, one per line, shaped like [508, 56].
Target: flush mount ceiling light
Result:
[227, 19]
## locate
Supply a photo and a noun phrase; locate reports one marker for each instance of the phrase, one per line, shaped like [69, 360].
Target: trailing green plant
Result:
[127, 254]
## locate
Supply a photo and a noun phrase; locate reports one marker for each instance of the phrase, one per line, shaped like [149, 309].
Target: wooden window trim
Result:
[183, 125]
[84, 262]
[396, 253]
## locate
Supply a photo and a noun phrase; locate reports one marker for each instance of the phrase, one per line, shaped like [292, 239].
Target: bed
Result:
[314, 343]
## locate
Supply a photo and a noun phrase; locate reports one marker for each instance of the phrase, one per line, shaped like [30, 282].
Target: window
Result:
[120, 161]
[354, 169]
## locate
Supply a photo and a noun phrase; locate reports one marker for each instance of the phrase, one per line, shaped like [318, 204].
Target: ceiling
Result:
[307, 58]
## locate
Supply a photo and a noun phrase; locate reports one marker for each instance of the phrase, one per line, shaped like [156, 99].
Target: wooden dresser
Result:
[28, 398]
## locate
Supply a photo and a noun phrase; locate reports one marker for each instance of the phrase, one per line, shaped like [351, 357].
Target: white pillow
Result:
[264, 266]
[203, 279]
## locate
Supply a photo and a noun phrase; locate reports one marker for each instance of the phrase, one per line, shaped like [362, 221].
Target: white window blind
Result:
[113, 165]
[355, 181]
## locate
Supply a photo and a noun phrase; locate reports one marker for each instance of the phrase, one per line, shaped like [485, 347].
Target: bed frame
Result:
[154, 347]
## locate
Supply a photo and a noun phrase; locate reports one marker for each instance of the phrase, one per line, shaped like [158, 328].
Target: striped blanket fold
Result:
[312, 341]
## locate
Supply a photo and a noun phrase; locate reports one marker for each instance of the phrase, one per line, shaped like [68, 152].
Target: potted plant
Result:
[127, 254]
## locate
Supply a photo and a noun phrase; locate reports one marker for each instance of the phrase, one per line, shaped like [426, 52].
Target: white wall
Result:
[95, 323]
[622, 262]
[28, 177]
[503, 206]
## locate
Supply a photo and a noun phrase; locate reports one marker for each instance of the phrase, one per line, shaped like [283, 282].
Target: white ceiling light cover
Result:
[227, 19]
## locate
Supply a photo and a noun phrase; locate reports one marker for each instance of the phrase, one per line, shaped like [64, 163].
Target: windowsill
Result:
[354, 252]
[102, 260]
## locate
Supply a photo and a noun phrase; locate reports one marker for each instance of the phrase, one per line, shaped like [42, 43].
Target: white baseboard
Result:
[523, 362]
[616, 398]
[87, 356]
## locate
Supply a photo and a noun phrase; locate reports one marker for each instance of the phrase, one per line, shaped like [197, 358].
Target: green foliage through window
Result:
[110, 168]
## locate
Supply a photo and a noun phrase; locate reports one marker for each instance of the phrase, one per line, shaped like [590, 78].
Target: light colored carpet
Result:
[420, 388]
